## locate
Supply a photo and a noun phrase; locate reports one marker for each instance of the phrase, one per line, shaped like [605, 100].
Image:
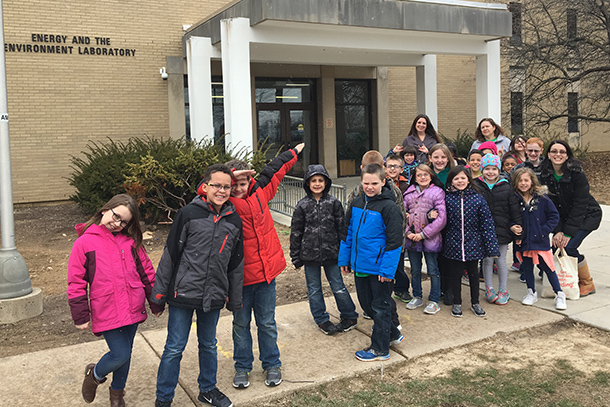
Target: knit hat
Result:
[489, 145]
[490, 159]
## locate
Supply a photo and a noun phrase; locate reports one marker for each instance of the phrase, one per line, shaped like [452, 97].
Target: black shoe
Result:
[346, 325]
[366, 316]
[478, 310]
[163, 403]
[241, 380]
[404, 297]
[456, 310]
[215, 398]
[274, 377]
[328, 328]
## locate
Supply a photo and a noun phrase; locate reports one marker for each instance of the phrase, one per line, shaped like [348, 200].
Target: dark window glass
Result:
[571, 28]
[187, 112]
[515, 9]
[572, 112]
[283, 91]
[218, 110]
[516, 112]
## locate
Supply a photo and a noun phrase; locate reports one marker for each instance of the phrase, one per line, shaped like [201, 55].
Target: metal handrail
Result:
[290, 192]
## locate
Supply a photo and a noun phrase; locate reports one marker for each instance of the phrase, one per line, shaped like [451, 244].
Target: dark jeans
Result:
[317, 306]
[401, 280]
[375, 299]
[575, 242]
[260, 299]
[456, 270]
[179, 323]
[527, 270]
[118, 359]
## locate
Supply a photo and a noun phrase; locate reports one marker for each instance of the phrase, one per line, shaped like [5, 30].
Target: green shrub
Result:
[463, 140]
[162, 174]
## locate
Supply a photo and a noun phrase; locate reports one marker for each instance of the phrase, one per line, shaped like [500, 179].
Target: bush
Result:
[463, 140]
[162, 174]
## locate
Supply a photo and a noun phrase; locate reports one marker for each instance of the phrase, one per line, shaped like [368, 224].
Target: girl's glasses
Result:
[117, 218]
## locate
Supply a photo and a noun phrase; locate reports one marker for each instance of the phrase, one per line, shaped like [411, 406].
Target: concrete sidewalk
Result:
[53, 377]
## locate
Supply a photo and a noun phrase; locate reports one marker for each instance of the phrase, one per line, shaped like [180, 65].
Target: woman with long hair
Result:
[489, 130]
[422, 136]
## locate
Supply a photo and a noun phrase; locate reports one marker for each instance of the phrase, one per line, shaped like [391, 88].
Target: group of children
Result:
[222, 251]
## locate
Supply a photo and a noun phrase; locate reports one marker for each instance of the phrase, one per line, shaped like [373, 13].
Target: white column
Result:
[425, 76]
[488, 83]
[235, 45]
[199, 51]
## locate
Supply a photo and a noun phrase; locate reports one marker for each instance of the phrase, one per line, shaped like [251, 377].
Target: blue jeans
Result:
[575, 242]
[375, 299]
[313, 276]
[178, 328]
[118, 359]
[259, 298]
[527, 271]
[435, 276]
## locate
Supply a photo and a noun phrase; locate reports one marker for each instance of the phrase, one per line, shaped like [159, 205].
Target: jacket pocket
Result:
[137, 297]
[103, 304]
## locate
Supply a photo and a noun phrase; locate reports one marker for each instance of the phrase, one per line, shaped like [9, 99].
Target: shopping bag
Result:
[566, 268]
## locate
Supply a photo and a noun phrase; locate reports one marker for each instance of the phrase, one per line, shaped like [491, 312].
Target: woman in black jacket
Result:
[579, 212]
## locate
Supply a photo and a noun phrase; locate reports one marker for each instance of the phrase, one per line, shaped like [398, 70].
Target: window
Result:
[571, 28]
[572, 112]
[187, 110]
[515, 9]
[516, 112]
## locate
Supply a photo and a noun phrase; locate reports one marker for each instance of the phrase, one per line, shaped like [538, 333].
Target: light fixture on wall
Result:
[163, 73]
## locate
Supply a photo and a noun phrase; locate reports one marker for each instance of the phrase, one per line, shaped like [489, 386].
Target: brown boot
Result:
[90, 383]
[585, 282]
[116, 398]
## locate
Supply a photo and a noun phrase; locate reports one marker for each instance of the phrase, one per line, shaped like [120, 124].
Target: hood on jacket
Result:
[316, 169]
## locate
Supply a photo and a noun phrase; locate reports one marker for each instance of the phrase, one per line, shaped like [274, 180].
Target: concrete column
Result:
[328, 135]
[235, 46]
[425, 76]
[383, 110]
[488, 83]
[175, 97]
[199, 51]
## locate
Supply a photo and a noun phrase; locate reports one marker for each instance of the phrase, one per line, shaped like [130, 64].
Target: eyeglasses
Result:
[218, 187]
[117, 218]
[558, 152]
[533, 151]
[393, 167]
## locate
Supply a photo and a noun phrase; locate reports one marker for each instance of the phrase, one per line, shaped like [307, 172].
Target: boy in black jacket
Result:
[202, 265]
[314, 242]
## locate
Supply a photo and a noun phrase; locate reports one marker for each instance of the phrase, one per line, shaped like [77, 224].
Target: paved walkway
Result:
[53, 377]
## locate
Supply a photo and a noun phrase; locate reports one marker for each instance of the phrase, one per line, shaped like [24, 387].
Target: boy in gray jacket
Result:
[201, 266]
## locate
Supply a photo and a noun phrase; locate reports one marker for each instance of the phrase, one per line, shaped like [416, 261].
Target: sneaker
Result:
[397, 340]
[530, 298]
[456, 310]
[215, 398]
[516, 266]
[274, 377]
[240, 380]
[159, 403]
[404, 297]
[503, 298]
[478, 310]
[491, 295]
[328, 328]
[432, 308]
[560, 301]
[522, 279]
[371, 355]
[366, 316]
[415, 303]
[346, 325]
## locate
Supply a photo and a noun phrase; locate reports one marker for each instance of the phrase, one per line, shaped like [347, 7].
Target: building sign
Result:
[70, 44]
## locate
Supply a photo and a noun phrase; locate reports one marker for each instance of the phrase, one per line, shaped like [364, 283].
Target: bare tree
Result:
[562, 50]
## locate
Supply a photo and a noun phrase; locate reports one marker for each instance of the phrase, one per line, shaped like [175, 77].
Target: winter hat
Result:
[489, 145]
[490, 159]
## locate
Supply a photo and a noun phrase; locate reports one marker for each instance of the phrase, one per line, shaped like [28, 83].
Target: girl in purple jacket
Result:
[109, 278]
[423, 234]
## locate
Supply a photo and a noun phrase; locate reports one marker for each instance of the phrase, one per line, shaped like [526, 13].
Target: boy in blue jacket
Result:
[372, 249]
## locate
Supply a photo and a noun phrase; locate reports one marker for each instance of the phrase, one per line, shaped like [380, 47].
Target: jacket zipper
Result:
[362, 220]
[463, 243]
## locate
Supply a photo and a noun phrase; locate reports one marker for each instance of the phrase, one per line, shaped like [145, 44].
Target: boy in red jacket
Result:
[263, 262]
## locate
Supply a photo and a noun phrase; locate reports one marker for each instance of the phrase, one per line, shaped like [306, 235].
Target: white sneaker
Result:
[530, 298]
[560, 301]
[415, 303]
[432, 308]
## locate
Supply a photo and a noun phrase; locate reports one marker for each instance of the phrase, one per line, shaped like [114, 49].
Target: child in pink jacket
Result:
[109, 279]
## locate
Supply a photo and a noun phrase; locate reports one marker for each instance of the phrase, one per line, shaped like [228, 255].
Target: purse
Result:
[566, 268]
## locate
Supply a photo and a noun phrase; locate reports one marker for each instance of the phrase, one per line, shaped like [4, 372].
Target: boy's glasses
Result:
[218, 187]
[393, 167]
[529, 150]
[117, 218]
